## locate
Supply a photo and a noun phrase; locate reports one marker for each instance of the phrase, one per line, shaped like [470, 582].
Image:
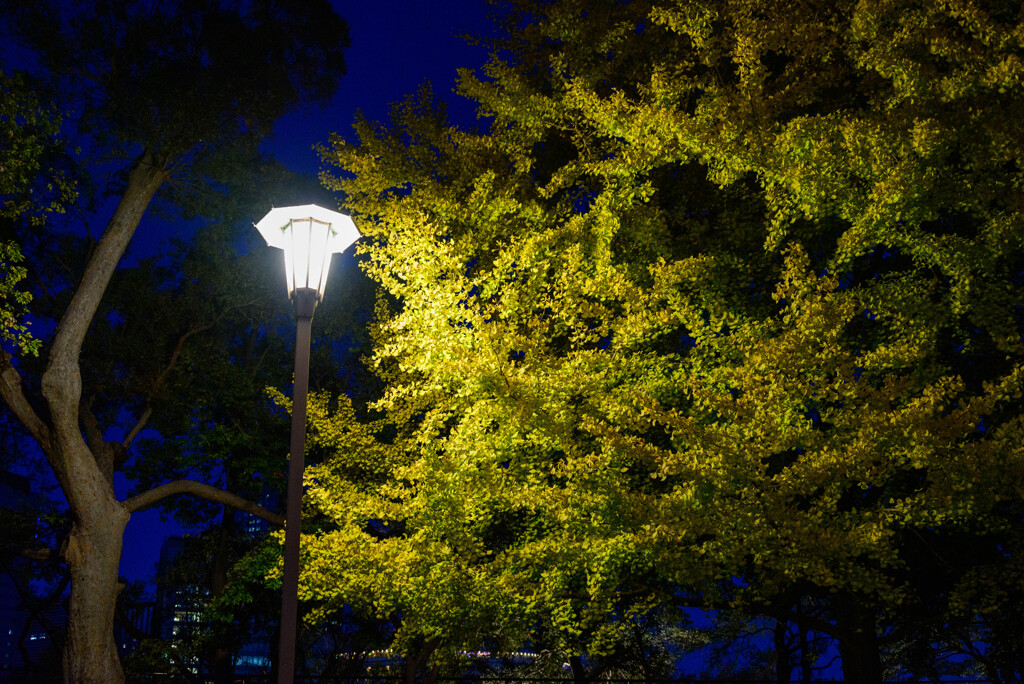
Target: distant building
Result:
[140, 615]
[179, 605]
[178, 612]
[253, 526]
[253, 657]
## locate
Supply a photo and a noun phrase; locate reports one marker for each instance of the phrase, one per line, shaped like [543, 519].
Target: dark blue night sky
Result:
[396, 46]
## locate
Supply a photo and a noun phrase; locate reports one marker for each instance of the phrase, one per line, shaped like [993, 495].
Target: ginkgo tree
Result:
[720, 306]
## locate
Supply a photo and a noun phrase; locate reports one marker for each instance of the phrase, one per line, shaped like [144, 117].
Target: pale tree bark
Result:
[93, 549]
[93, 554]
[83, 462]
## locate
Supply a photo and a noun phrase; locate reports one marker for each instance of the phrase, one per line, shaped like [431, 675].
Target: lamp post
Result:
[309, 235]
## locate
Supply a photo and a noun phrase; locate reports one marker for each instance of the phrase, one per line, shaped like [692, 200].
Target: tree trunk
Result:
[783, 659]
[417, 663]
[275, 664]
[806, 658]
[579, 672]
[222, 667]
[85, 472]
[92, 554]
[858, 641]
[85, 469]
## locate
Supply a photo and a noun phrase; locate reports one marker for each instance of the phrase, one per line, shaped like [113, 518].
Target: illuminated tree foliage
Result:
[30, 189]
[721, 308]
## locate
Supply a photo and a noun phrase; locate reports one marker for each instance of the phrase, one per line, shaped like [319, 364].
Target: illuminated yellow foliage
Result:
[725, 291]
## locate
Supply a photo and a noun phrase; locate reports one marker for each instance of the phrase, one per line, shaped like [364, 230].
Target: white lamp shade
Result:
[309, 235]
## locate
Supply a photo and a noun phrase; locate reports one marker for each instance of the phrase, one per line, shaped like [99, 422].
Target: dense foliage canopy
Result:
[720, 307]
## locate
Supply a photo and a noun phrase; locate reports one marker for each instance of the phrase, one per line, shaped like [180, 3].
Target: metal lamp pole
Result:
[309, 235]
[305, 302]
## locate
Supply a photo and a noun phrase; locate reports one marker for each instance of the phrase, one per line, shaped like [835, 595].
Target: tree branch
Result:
[14, 397]
[82, 481]
[757, 608]
[171, 363]
[204, 491]
[99, 447]
[137, 428]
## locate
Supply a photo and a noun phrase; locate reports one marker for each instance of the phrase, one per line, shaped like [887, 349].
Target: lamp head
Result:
[309, 235]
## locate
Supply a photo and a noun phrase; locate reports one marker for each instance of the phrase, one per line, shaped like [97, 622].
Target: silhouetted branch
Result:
[14, 397]
[204, 491]
[171, 363]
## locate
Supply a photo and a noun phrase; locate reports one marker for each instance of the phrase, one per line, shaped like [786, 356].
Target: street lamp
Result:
[309, 235]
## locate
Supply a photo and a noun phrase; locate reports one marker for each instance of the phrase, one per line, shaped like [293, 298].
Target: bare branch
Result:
[204, 491]
[99, 447]
[137, 428]
[14, 397]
